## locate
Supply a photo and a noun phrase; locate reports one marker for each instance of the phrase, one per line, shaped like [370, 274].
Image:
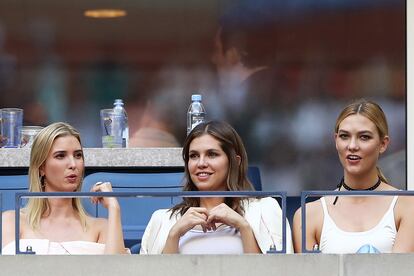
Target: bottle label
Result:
[109, 141]
[196, 119]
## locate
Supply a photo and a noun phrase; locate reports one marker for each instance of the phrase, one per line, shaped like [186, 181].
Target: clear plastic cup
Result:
[11, 123]
[2, 141]
[111, 131]
[28, 134]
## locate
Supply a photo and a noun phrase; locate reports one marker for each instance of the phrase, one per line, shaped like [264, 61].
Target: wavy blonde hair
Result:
[374, 113]
[36, 208]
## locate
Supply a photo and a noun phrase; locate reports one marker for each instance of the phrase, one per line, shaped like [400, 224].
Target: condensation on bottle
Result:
[122, 130]
[196, 112]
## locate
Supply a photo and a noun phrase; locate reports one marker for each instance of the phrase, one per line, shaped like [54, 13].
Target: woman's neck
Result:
[361, 182]
[211, 202]
[60, 207]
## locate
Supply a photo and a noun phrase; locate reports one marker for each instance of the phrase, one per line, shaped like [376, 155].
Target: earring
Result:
[42, 182]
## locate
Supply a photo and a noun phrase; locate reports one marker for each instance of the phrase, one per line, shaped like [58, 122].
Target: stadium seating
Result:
[9, 185]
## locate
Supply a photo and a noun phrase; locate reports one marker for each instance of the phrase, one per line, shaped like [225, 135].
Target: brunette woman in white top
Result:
[215, 160]
[61, 225]
[345, 224]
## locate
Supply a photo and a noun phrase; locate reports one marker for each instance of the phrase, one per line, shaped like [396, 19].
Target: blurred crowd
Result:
[284, 108]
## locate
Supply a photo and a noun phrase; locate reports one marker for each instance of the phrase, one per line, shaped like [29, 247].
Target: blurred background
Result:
[305, 61]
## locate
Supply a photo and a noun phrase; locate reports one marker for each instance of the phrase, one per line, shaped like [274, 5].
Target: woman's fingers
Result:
[101, 187]
[200, 210]
[194, 216]
[224, 214]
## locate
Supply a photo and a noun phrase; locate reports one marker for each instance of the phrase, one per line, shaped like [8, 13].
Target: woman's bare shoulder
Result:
[313, 207]
[7, 215]
[405, 205]
[313, 210]
[10, 215]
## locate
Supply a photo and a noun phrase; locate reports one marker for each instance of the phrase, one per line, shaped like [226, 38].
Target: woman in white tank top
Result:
[345, 224]
[215, 160]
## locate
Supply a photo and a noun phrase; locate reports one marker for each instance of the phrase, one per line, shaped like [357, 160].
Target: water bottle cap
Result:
[118, 102]
[196, 97]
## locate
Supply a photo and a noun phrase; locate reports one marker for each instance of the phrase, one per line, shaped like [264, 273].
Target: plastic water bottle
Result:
[122, 135]
[196, 113]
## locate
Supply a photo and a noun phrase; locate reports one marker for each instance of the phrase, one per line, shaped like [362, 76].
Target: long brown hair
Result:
[374, 113]
[232, 146]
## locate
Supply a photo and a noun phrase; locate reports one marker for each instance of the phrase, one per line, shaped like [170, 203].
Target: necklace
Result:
[342, 184]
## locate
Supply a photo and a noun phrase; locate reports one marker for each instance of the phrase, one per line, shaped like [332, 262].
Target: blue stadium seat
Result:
[9, 185]
[253, 173]
[135, 212]
[292, 204]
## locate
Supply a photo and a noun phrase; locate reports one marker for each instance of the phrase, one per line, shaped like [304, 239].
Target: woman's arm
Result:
[114, 241]
[313, 223]
[111, 232]
[248, 239]
[8, 232]
[404, 241]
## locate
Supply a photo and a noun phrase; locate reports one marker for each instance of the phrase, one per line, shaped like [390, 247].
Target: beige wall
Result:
[209, 265]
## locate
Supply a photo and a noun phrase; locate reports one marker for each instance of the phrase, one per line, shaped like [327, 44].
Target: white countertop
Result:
[104, 157]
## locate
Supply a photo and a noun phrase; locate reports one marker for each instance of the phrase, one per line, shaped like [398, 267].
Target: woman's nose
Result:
[71, 162]
[202, 162]
[353, 144]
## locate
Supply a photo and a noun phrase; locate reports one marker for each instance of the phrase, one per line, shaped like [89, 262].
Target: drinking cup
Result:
[11, 123]
[1, 136]
[111, 132]
[28, 134]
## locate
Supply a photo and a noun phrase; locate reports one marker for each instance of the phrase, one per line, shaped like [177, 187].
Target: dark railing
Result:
[307, 194]
[20, 195]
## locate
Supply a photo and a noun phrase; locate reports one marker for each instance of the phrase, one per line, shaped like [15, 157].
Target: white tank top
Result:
[225, 240]
[381, 236]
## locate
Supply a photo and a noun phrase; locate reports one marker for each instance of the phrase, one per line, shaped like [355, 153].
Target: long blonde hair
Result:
[37, 207]
[374, 113]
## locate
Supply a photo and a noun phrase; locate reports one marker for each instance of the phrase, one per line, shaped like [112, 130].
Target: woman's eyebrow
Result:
[359, 132]
[59, 151]
[365, 132]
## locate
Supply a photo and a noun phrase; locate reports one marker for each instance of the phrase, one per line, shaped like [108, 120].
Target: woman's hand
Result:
[194, 216]
[224, 214]
[107, 202]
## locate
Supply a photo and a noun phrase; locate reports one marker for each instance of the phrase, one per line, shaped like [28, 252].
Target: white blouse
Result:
[225, 240]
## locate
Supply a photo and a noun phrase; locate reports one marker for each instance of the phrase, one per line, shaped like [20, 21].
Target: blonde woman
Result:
[61, 225]
[353, 224]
